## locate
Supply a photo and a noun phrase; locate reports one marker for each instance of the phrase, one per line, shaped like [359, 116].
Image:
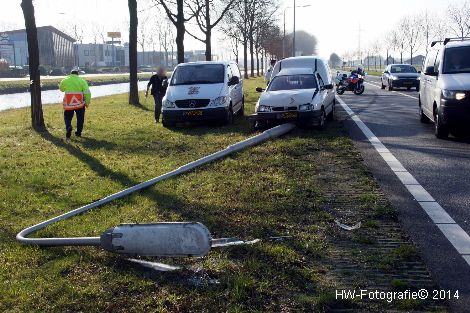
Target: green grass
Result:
[282, 187]
[13, 86]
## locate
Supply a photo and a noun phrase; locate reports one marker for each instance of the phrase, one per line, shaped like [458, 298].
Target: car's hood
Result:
[406, 75]
[201, 91]
[286, 97]
[455, 81]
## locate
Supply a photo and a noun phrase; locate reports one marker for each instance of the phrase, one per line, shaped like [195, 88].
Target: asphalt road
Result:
[442, 167]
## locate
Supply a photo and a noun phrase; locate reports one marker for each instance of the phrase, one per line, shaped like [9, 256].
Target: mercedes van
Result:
[203, 91]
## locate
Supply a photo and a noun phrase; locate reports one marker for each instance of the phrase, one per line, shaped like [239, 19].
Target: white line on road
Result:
[451, 230]
[400, 93]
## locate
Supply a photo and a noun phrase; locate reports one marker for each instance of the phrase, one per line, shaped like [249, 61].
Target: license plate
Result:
[193, 113]
[289, 115]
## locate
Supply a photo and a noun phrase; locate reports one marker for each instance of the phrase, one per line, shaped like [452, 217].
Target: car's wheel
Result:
[440, 130]
[390, 86]
[167, 124]
[229, 117]
[331, 115]
[322, 120]
[241, 112]
[422, 117]
[382, 83]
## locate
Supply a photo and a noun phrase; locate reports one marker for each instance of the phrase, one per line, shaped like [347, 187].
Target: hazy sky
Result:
[334, 23]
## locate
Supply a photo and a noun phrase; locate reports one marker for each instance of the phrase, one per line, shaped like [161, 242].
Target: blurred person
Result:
[267, 75]
[159, 83]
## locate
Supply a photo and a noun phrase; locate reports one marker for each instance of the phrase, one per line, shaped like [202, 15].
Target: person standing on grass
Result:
[77, 97]
[159, 83]
[269, 71]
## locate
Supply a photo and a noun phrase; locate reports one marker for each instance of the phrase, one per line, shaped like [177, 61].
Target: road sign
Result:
[114, 34]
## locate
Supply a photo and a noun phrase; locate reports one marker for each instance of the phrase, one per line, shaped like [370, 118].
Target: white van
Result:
[203, 91]
[444, 95]
[300, 90]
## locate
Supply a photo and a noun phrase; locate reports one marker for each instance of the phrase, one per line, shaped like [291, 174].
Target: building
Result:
[92, 55]
[55, 47]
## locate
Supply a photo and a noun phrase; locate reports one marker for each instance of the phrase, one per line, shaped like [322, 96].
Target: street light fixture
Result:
[284, 37]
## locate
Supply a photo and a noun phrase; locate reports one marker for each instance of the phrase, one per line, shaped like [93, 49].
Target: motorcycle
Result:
[354, 83]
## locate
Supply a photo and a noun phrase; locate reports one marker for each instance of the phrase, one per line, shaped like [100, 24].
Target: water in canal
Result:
[20, 100]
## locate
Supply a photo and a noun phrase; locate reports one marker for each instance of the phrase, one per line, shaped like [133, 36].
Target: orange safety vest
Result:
[73, 101]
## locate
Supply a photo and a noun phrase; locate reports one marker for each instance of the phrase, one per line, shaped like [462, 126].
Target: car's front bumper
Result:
[304, 117]
[455, 112]
[195, 115]
[405, 83]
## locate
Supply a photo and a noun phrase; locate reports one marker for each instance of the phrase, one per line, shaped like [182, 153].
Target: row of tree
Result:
[415, 33]
[247, 24]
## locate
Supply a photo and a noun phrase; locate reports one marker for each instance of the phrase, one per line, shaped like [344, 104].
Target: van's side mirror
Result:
[328, 87]
[430, 71]
[386, 72]
[235, 80]
[259, 89]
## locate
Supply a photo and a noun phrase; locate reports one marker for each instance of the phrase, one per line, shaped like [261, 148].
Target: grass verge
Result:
[15, 86]
[294, 186]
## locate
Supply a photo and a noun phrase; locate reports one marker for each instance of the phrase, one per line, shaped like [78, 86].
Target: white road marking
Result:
[451, 230]
[400, 93]
[457, 236]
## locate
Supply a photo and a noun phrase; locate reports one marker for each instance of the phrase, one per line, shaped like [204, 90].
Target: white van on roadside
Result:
[203, 91]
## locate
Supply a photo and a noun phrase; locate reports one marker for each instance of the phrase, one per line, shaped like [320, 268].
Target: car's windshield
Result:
[456, 60]
[198, 74]
[291, 82]
[403, 69]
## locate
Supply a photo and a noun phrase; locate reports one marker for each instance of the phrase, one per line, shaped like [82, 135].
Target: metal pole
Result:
[284, 37]
[293, 41]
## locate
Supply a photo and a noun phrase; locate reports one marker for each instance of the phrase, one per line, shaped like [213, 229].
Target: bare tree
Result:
[389, 45]
[399, 43]
[206, 21]
[133, 25]
[410, 27]
[434, 27]
[376, 47]
[178, 19]
[459, 15]
[37, 117]
[143, 34]
[335, 60]
[237, 18]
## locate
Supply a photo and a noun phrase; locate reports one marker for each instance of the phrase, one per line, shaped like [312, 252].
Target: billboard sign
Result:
[114, 34]
[7, 52]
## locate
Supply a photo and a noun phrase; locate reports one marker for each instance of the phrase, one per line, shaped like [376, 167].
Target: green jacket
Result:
[73, 83]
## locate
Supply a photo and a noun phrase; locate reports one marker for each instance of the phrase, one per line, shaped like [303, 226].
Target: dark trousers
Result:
[158, 106]
[68, 116]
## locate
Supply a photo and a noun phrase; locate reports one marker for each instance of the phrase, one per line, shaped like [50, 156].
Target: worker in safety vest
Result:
[77, 97]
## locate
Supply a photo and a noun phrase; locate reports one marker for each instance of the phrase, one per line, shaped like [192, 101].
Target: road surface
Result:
[441, 167]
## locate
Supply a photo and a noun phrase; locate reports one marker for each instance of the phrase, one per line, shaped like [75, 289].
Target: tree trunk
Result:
[245, 57]
[180, 31]
[262, 63]
[257, 63]
[208, 32]
[133, 22]
[37, 118]
[252, 56]
[411, 53]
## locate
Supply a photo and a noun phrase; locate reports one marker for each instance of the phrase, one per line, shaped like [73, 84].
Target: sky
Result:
[336, 23]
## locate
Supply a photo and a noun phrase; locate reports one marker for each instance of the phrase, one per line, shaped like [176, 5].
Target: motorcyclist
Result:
[358, 71]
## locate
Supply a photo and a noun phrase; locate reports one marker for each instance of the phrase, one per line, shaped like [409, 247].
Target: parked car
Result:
[203, 91]
[444, 96]
[400, 76]
[295, 94]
